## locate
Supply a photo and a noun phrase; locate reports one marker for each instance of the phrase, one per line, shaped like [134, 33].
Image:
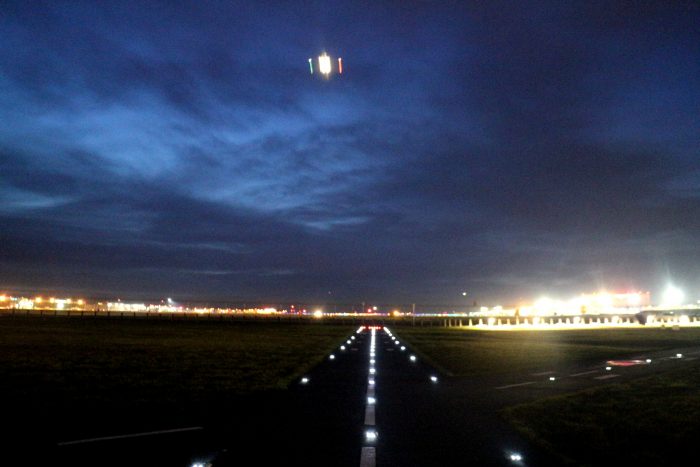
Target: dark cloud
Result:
[183, 149]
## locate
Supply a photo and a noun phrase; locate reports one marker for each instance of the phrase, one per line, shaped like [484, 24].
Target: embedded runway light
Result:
[648, 360]
[397, 342]
[348, 341]
[433, 379]
[332, 357]
[371, 400]
[403, 348]
[342, 347]
[372, 362]
[515, 457]
[679, 355]
[413, 358]
[372, 371]
[552, 378]
[304, 380]
[371, 381]
[352, 337]
[371, 435]
[608, 368]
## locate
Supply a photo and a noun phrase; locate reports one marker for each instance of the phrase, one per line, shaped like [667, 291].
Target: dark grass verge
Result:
[649, 421]
[92, 375]
[467, 353]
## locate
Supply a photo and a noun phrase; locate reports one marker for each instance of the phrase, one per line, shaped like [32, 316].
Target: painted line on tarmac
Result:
[585, 373]
[132, 435]
[515, 385]
[606, 377]
[369, 415]
[690, 359]
[368, 457]
[544, 373]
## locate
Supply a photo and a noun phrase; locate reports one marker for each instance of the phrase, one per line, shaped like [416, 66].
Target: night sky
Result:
[507, 150]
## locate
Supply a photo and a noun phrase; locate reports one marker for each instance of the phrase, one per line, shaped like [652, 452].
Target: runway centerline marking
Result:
[368, 457]
[515, 385]
[544, 373]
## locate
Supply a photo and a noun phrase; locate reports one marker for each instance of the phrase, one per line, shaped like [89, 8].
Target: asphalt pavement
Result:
[372, 402]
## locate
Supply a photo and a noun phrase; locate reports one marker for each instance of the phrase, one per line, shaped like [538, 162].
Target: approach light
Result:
[403, 348]
[433, 379]
[304, 380]
[332, 357]
[515, 457]
[342, 347]
[413, 358]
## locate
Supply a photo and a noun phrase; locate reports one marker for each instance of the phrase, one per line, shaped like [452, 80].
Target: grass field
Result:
[53, 368]
[649, 421]
[465, 353]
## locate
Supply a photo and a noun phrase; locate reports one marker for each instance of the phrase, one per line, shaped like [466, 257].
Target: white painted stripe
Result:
[585, 373]
[369, 415]
[368, 457]
[132, 435]
[515, 385]
[690, 359]
[606, 377]
[544, 373]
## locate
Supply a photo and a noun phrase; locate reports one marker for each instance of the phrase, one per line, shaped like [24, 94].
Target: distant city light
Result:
[672, 296]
